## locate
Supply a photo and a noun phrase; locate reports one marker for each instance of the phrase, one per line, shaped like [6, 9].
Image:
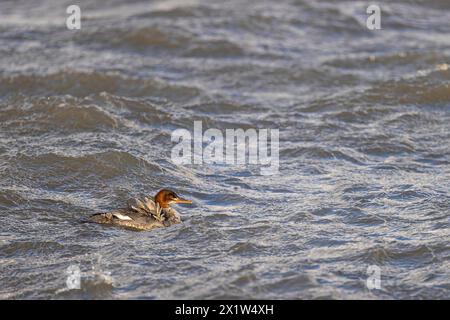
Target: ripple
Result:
[27, 248]
[86, 118]
[215, 48]
[406, 257]
[58, 114]
[82, 84]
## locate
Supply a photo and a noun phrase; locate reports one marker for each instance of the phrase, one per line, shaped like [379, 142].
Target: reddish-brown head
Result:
[166, 197]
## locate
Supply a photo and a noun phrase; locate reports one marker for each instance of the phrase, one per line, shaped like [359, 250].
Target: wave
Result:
[82, 84]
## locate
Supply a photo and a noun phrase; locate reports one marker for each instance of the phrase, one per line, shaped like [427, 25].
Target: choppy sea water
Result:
[86, 118]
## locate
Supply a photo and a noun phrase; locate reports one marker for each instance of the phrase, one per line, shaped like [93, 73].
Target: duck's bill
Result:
[180, 200]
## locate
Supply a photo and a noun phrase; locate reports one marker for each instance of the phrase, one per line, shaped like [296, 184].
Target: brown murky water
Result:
[86, 119]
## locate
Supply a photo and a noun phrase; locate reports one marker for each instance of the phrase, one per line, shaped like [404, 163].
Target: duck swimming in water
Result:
[145, 214]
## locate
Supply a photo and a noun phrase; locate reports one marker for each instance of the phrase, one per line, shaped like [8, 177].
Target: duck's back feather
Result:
[139, 215]
[127, 218]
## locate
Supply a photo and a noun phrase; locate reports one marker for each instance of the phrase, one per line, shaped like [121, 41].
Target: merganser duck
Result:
[145, 214]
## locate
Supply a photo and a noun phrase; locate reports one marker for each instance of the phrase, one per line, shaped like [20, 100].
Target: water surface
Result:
[86, 118]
